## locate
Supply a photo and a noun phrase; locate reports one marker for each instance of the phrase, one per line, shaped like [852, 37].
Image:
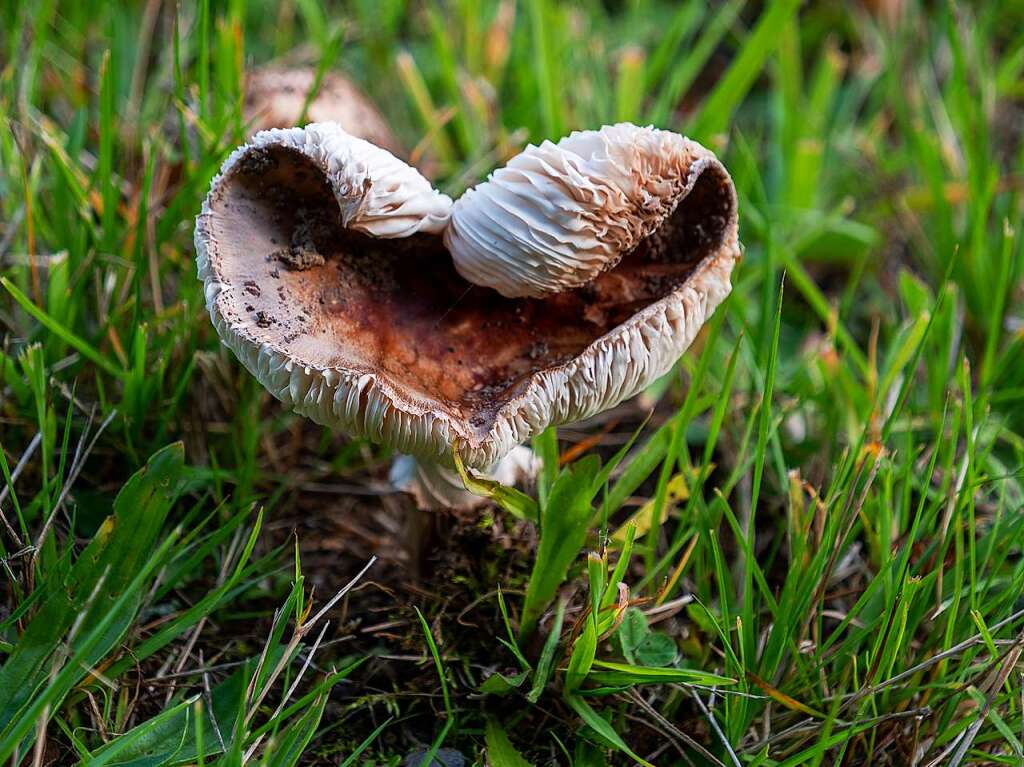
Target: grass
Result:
[805, 546]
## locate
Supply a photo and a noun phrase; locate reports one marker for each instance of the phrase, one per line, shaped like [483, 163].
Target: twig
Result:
[674, 730]
[658, 613]
[77, 463]
[714, 726]
[19, 467]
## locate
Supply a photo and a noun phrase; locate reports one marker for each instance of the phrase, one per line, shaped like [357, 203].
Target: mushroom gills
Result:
[398, 309]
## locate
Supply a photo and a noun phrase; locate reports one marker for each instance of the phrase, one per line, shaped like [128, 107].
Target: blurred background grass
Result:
[827, 563]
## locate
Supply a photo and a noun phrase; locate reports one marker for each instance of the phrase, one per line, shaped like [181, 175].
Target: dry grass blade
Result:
[638, 698]
[301, 630]
[713, 722]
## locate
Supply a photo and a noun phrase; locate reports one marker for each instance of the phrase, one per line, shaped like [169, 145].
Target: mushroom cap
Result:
[275, 95]
[557, 215]
[326, 274]
[376, 193]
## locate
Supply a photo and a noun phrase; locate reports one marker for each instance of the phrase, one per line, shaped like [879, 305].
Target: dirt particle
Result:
[303, 252]
[257, 162]
[332, 300]
[539, 350]
[299, 258]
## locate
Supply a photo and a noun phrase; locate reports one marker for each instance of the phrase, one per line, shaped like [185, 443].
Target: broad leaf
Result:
[91, 604]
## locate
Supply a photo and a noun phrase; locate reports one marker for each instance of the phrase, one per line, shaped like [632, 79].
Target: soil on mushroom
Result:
[341, 299]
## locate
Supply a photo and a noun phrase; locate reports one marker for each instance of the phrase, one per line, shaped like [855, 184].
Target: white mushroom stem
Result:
[435, 486]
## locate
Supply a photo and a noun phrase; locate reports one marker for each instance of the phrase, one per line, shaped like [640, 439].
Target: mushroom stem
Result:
[435, 486]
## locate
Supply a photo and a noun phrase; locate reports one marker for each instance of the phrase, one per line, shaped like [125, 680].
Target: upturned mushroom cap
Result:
[327, 275]
[275, 95]
[560, 214]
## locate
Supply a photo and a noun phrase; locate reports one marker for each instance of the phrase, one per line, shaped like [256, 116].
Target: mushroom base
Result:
[435, 486]
[396, 308]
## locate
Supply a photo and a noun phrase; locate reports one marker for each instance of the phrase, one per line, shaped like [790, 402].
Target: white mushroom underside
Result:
[559, 214]
[377, 193]
[613, 368]
[434, 486]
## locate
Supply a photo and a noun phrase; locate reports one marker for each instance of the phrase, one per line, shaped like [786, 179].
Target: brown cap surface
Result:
[274, 97]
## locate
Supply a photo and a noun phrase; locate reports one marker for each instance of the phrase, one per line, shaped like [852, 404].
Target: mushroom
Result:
[275, 96]
[567, 282]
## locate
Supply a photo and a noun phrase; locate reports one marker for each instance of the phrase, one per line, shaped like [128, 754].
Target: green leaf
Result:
[563, 533]
[499, 684]
[545, 446]
[500, 751]
[732, 87]
[350, 760]
[511, 643]
[641, 464]
[632, 632]
[611, 591]
[612, 464]
[75, 604]
[582, 658]
[170, 726]
[625, 674]
[65, 334]
[547, 655]
[10, 376]
[170, 737]
[19, 730]
[688, 67]
[597, 723]
[514, 502]
[436, 655]
[657, 649]
[287, 748]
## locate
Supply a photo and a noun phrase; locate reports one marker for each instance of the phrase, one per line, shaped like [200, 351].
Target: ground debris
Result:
[303, 252]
